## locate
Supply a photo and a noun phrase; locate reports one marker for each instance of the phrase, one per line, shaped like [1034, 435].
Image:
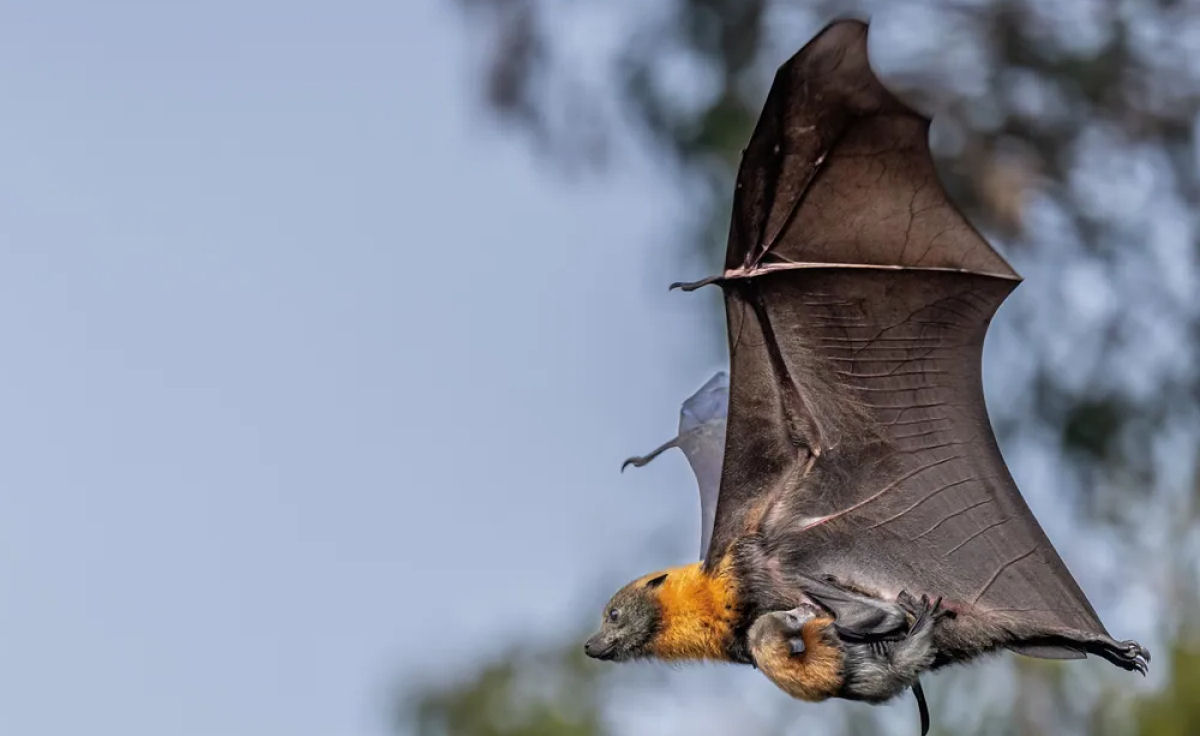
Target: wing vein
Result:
[923, 500]
[948, 517]
[920, 469]
[996, 575]
[961, 544]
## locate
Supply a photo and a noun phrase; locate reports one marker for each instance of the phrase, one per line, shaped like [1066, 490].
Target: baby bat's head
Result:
[632, 618]
[773, 628]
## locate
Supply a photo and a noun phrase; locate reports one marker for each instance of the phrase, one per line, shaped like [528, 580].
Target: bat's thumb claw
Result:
[636, 462]
[693, 285]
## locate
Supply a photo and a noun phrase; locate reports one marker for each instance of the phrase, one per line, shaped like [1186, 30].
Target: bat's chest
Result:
[764, 586]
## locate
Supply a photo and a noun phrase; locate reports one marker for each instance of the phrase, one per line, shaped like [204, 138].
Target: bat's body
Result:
[859, 478]
[725, 614]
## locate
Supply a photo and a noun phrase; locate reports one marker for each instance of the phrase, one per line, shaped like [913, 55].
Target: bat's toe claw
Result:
[1130, 655]
[908, 602]
[1139, 665]
[925, 611]
[939, 611]
[1138, 649]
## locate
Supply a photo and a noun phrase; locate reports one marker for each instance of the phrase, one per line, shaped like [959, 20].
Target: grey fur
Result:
[878, 671]
[638, 618]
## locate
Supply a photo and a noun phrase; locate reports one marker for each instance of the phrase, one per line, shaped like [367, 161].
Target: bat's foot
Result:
[923, 609]
[1130, 655]
[928, 613]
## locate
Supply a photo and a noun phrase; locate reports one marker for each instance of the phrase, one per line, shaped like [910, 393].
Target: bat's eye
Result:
[614, 614]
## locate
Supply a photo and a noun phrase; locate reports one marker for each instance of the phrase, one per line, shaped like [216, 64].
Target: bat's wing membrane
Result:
[857, 300]
[702, 439]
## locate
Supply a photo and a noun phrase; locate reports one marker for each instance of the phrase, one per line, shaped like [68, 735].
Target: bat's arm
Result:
[858, 617]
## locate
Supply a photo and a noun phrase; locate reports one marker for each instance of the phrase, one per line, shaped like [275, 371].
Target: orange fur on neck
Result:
[699, 612]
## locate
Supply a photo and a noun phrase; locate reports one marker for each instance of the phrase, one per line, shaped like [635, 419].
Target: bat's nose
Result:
[597, 650]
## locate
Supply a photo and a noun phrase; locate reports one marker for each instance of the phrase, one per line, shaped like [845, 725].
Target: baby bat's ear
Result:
[655, 582]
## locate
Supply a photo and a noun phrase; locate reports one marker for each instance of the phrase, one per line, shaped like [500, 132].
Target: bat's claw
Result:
[1135, 656]
[908, 603]
[639, 460]
[1133, 646]
[693, 285]
[925, 611]
[1127, 654]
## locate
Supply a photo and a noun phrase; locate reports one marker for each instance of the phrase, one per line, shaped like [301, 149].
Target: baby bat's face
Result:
[778, 626]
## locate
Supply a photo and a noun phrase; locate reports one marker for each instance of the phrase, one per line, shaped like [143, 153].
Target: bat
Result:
[866, 528]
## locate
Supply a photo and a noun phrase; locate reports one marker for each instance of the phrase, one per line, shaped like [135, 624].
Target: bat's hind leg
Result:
[1127, 654]
[859, 617]
[881, 669]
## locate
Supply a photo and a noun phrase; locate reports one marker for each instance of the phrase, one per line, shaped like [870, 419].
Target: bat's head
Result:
[631, 620]
[779, 626]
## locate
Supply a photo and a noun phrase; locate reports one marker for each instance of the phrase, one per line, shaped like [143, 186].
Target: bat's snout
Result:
[598, 648]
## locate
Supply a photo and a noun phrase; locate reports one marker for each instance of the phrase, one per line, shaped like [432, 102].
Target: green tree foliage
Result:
[1176, 710]
[553, 692]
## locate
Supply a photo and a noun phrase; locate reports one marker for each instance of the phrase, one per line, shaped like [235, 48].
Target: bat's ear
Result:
[655, 582]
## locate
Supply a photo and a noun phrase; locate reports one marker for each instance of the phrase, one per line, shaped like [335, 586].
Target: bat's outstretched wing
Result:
[857, 300]
[702, 439]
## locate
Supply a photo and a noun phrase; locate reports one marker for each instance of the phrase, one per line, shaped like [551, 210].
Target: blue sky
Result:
[312, 378]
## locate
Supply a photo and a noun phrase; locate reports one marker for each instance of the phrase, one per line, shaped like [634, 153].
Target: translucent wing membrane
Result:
[702, 439]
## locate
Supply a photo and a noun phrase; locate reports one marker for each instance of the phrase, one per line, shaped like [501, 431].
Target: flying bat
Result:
[865, 528]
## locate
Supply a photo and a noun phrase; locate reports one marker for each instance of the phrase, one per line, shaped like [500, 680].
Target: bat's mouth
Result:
[595, 650]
